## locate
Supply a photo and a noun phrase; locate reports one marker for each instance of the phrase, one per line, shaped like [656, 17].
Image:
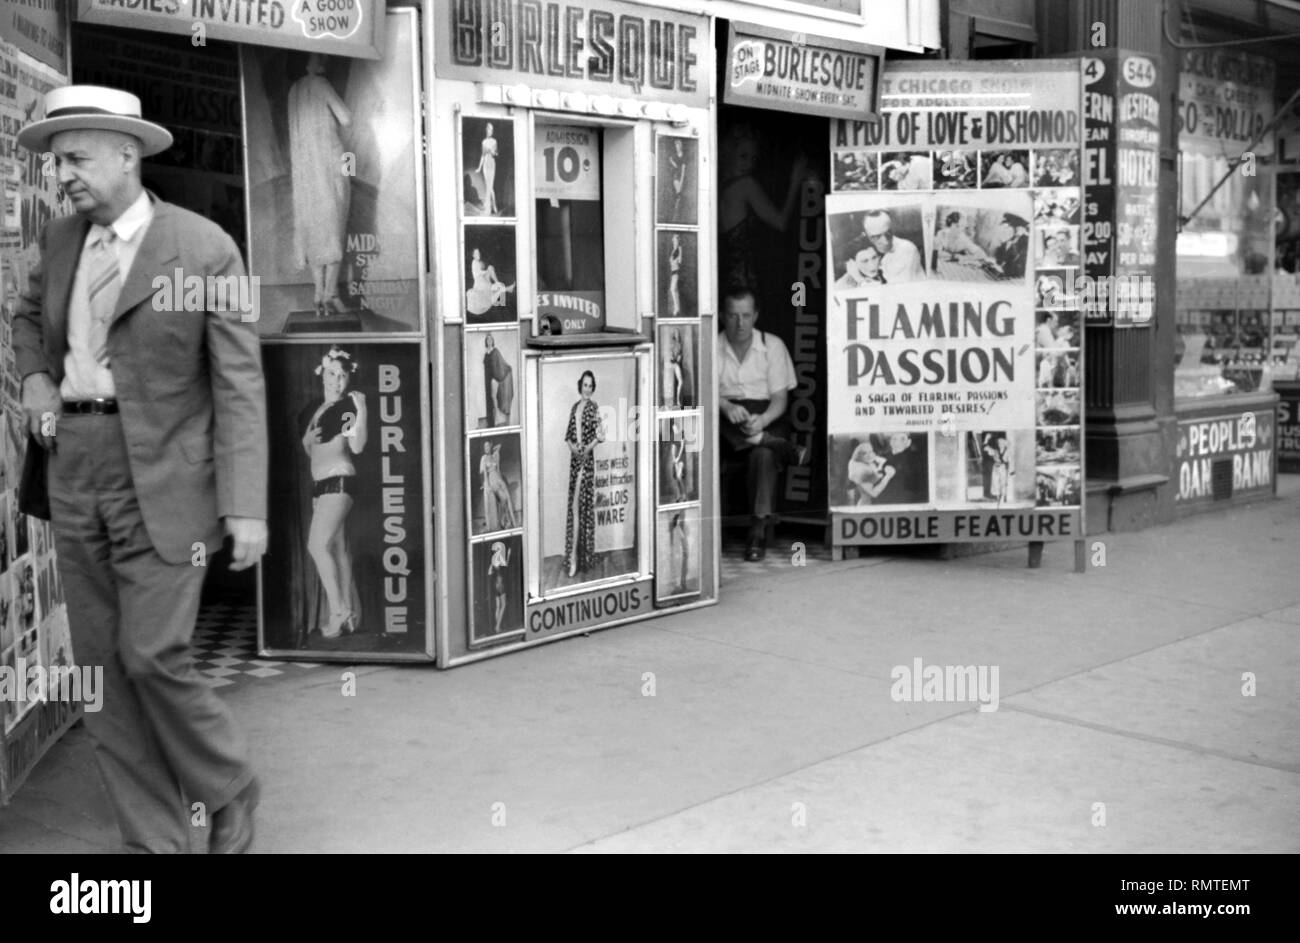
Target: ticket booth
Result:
[569, 206]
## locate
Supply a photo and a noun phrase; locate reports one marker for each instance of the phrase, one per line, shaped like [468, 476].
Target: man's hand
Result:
[250, 540]
[736, 414]
[753, 425]
[42, 405]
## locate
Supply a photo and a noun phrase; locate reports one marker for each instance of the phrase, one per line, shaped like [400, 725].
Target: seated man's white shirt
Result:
[767, 368]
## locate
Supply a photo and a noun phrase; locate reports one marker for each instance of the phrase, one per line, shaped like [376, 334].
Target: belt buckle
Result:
[99, 406]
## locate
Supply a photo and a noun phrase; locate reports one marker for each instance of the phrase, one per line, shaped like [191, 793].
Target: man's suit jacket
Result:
[189, 383]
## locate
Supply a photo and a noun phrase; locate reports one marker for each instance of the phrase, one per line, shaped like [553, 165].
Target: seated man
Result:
[755, 376]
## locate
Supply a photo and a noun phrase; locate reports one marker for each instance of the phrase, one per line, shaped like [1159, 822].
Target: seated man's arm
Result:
[775, 409]
[781, 380]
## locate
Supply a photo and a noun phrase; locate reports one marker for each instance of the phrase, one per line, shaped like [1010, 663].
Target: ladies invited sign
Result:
[332, 27]
[346, 577]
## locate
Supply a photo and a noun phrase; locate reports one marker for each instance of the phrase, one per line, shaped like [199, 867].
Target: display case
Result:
[1226, 314]
[574, 316]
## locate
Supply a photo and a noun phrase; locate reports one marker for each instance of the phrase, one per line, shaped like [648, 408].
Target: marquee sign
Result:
[620, 49]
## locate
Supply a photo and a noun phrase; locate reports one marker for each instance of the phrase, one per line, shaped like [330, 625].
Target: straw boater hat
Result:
[92, 107]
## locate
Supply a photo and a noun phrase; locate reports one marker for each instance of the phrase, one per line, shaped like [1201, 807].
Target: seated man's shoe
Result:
[756, 550]
[232, 825]
[801, 455]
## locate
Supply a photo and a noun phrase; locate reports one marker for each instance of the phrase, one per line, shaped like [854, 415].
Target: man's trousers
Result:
[763, 462]
[163, 740]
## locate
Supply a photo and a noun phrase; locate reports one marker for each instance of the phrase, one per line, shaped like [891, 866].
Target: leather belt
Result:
[91, 407]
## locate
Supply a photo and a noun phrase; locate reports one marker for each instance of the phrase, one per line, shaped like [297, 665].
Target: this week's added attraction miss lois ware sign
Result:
[618, 49]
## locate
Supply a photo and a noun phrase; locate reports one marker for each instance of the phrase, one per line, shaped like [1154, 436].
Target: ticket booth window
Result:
[585, 259]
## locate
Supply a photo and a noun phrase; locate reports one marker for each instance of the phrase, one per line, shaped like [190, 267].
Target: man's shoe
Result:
[756, 550]
[232, 825]
[801, 455]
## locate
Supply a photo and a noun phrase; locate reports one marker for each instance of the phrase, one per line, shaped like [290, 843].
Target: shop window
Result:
[1228, 316]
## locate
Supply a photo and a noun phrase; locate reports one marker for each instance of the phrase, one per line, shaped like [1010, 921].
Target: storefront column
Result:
[1130, 354]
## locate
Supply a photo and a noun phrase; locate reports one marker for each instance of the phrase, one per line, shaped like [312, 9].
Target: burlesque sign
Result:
[771, 69]
[333, 27]
[346, 573]
[953, 370]
[616, 49]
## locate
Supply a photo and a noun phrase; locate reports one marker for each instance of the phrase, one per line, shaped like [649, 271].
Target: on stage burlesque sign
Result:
[771, 69]
[954, 337]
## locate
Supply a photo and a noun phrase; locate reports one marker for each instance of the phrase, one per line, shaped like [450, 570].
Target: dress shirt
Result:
[83, 376]
[766, 369]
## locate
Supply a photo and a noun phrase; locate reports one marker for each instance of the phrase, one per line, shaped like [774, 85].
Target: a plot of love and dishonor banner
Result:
[954, 333]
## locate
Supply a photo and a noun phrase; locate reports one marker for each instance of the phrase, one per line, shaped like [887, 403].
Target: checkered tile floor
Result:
[225, 647]
[225, 638]
[780, 554]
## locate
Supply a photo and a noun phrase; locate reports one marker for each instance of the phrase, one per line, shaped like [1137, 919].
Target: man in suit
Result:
[153, 423]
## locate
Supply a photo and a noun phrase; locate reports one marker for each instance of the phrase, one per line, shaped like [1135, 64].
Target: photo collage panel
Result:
[492, 391]
[954, 169]
[678, 384]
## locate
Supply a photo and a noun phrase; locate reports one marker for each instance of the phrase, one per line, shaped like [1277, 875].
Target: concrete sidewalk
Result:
[772, 726]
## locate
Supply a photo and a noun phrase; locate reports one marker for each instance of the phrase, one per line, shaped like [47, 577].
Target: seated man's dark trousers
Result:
[764, 462]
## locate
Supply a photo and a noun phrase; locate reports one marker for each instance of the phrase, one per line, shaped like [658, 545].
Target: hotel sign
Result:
[332, 27]
[617, 49]
[769, 68]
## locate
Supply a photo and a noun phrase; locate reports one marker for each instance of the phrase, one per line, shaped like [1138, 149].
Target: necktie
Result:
[102, 289]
